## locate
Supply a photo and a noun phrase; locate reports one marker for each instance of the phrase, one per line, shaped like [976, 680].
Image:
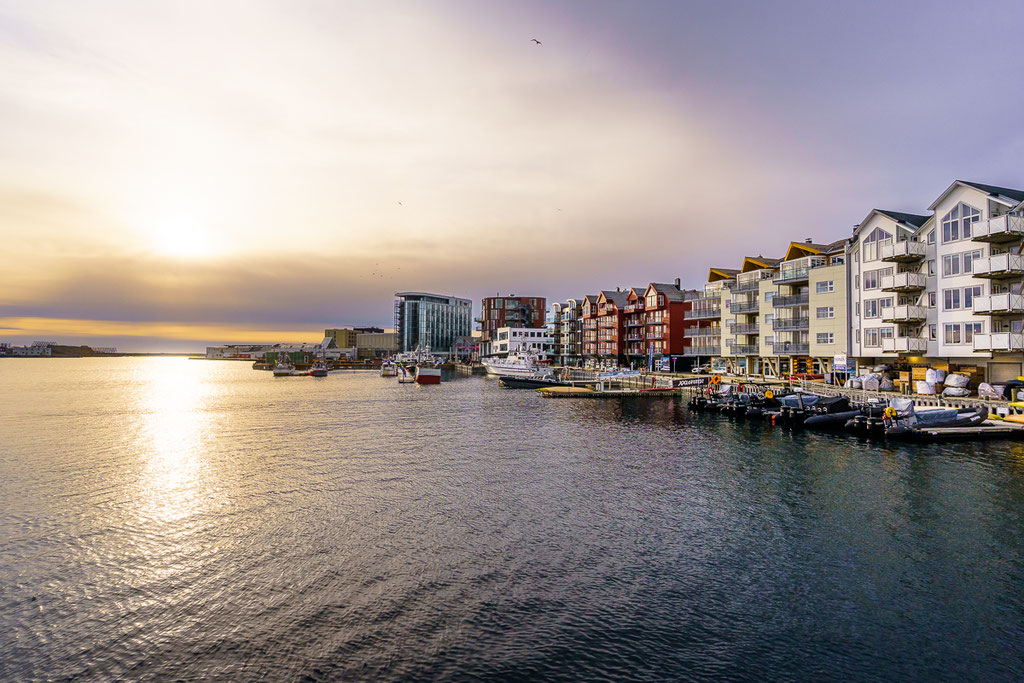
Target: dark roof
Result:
[671, 292]
[996, 191]
[917, 220]
[616, 297]
[765, 259]
[727, 271]
[591, 298]
[836, 246]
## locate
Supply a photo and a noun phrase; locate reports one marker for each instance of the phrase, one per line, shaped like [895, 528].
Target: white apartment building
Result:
[512, 339]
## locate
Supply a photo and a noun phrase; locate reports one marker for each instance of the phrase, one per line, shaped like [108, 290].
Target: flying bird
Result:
[400, 203]
[536, 41]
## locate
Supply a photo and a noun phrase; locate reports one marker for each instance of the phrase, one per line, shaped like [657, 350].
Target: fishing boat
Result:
[516, 364]
[284, 367]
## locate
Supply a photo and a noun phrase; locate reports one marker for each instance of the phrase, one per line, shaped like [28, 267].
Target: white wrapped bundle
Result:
[886, 385]
[957, 381]
[871, 383]
[940, 375]
[879, 368]
[1020, 395]
[848, 384]
[931, 376]
[926, 388]
[990, 392]
[857, 384]
[955, 391]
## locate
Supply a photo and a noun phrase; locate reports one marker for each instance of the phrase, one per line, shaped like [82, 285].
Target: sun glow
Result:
[183, 237]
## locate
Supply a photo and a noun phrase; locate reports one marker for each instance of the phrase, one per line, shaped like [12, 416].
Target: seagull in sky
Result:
[536, 41]
[400, 203]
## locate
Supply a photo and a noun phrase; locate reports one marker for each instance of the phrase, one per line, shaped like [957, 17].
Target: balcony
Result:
[744, 328]
[904, 345]
[791, 276]
[697, 332]
[746, 349]
[999, 304]
[1006, 228]
[902, 252]
[632, 308]
[702, 351]
[904, 282]
[790, 324]
[791, 300]
[747, 285]
[656, 336]
[634, 322]
[999, 266]
[745, 306]
[999, 341]
[904, 314]
[790, 348]
[635, 337]
[703, 314]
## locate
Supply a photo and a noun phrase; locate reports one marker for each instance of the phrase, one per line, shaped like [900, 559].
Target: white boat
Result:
[425, 375]
[388, 370]
[284, 367]
[516, 364]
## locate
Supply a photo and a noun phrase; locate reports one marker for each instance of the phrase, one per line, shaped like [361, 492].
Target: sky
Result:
[178, 174]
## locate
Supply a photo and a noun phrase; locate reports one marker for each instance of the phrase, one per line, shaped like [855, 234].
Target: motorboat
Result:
[407, 376]
[319, 369]
[831, 412]
[539, 380]
[903, 422]
[516, 364]
[388, 369]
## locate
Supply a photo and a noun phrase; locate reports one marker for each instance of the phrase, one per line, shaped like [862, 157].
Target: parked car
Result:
[702, 369]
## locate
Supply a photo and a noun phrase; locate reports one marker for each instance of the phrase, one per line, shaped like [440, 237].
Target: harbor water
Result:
[175, 519]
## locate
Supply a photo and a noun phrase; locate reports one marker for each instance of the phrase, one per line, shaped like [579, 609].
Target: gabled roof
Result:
[758, 263]
[911, 219]
[592, 298]
[671, 292]
[617, 297]
[1004, 195]
[800, 249]
[716, 274]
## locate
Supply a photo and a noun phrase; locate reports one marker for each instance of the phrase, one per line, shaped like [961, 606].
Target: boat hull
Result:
[510, 382]
[428, 376]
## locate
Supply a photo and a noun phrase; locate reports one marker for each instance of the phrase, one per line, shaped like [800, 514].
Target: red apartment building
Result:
[611, 325]
[510, 311]
[589, 317]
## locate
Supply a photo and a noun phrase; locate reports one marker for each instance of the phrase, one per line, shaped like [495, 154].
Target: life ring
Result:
[769, 394]
[889, 412]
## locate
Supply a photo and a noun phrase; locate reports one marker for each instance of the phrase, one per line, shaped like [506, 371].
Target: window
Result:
[825, 287]
[886, 333]
[871, 337]
[971, 329]
[826, 338]
[768, 296]
[871, 308]
[969, 258]
[931, 267]
[826, 312]
[951, 333]
[930, 238]
[950, 265]
[932, 331]
[856, 281]
[956, 225]
[950, 300]
[769, 318]
[969, 294]
[931, 299]
[858, 336]
[871, 242]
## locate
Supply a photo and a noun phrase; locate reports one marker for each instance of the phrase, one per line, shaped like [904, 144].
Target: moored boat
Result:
[903, 422]
[425, 375]
[284, 367]
[516, 364]
[319, 369]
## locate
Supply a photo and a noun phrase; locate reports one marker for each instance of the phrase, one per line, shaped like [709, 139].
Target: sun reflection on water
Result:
[173, 400]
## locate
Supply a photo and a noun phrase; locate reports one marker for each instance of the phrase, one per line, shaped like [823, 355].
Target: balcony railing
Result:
[999, 341]
[634, 322]
[904, 345]
[656, 336]
[702, 351]
[904, 314]
[744, 328]
[998, 304]
[745, 306]
[696, 332]
[790, 300]
[790, 324]
[790, 275]
[746, 349]
[635, 337]
[904, 282]
[703, 314]
[902, 252]
[999, 266]
[790, 348]
[747, 285]
[1008, 228]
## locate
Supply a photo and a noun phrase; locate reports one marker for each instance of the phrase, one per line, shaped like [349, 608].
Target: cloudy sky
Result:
[180, 173]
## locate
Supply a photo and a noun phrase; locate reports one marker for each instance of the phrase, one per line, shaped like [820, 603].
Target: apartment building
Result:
[431, 321]
[635, 325]
[707, 308]
[535, 340]
[588, 324]
[751, 309]
[570, 340]
[665, 323]
[611, 325]
[509, 311]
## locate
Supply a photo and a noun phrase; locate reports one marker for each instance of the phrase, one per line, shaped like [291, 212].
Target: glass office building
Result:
[431, 321]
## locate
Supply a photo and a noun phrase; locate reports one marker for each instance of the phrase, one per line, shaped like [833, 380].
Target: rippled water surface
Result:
[175, 519]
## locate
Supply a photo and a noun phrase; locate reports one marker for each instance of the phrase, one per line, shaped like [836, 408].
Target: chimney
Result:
[678, 282]
[809, 241]
[617, 289]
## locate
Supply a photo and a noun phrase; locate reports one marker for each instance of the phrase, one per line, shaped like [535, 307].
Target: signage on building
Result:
[690, 382]
[839, 362]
